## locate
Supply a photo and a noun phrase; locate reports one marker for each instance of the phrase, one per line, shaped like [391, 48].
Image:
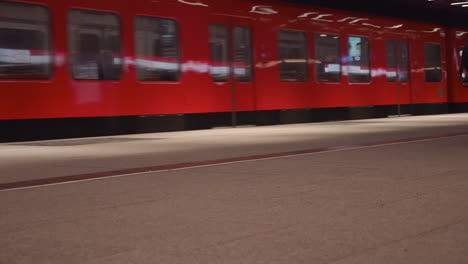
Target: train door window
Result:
[25, 41]
[219, 69]
[327, 58]
[464, 64]
[391, 61]
[242, 54]
[358, 60]
[94, 45]
[403, 62]
[157, 49]
[293, 64]
[432, 62]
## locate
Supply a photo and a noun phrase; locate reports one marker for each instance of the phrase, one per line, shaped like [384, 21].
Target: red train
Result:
[87, 67]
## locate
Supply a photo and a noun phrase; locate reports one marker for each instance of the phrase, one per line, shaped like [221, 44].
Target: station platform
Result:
[391, 190]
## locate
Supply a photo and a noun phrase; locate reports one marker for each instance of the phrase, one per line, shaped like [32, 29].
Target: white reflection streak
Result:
[358, 70]
[264, 10]
[268, 64]
[190, 3]
[24, 56]
[380, 72]
[432, 31]
[157, 64]
[59, 59]
[319, 18]
[195, 66]
[459, 3]
[371, 25]
[305, 15]
[395, 26]
[357, 20]
[333, 68]
[129, 61]
[219, 70]
[346, 18]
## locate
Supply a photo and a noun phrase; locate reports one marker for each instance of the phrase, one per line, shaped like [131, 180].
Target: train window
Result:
[464, 64]
[220, 68]
[157, 49]
[242, 54]
[432, 62]
[358, 59]
[327, 58]
[400, 71]
[293, 64]
[403, 62]
[25, 44]
[391, 61]
[94, 45]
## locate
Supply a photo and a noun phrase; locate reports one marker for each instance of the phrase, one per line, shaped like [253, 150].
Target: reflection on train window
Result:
[397, 50]
[157, 49]
[242, 54]
[391, 61]
[358, 59]
[293, 64]
[403, 62]
[327, 58]
[94, 45]
[432, 62]
[25, 48]
[464, 64]
[220, 67]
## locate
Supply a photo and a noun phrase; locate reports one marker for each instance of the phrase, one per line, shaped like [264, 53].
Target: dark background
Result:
[437, 11]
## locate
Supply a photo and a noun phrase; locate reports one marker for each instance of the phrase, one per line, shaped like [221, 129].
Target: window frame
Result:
[461, 67]
[306, 49]
[228, 47]
[179, 49]
[251, 54]
[397, 62]
[407, 62]
[424, 61]
[51, 48]
[369, 54]
[340, 54]
[122, 51]
[394, 61]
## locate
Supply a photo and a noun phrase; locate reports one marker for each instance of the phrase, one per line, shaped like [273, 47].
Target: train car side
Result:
[203, 63]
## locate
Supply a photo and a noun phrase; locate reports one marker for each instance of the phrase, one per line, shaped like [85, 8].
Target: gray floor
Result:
[405, 203]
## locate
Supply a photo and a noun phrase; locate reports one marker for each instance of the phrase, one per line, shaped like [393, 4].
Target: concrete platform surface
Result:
[54, 158]
[397, 203]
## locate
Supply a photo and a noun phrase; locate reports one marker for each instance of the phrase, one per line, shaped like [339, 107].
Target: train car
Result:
[85, 68]
[458, 69]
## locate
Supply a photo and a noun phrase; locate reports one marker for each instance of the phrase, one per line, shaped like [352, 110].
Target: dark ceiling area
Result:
[447, 12]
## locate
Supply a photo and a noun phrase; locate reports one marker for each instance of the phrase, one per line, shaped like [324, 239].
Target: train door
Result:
[403, 73]
[462, 65]
[430, 83]
[398, 73]
[231, 68]
[458, 66]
